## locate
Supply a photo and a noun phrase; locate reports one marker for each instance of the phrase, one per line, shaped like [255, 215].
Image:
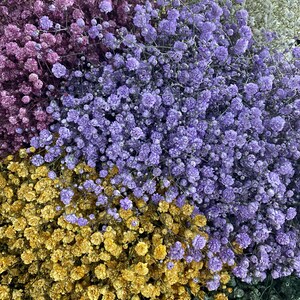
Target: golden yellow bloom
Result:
[200, 220]
[58, 273]
[163, 206]
[97, 238]
[93, 292]
[129, 237]
[8, 192]
[32, 149]
[2, 182]
[141, 268]
[160, 252]
[128, 275]
[157, 239]
[78, 272]
[224, 278]
[174, 210]
[10, 232]
[220, 297]
[141, 248]
[150, 291]
[236, 248]
[187, 209]
[125, 214]
[19, 224]
[4, 292]
[105, 256]
[133, 223]
[27, 257]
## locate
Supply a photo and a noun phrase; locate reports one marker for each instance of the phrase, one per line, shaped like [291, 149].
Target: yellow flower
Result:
[187, 209]
[225, 278]
[19, 224]
[27, 257]
[78, 273]
[220, 297]
[128, 275]
[141, 248]
[97, 238]
[100, 271]
[160, 252]
[141, 269]
[105, 256]
[8, 192]
[2, 182]
[163, 206]
[132, 223]
[93, 292]
[30, 196]
[58, 273]
[200, 220]
[32, 149]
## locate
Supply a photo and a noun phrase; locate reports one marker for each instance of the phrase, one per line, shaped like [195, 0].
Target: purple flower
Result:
[102, 200]
[170, 265]
[80, 22]
[241, 46]
[243, 240]
[176, 252]
[291, 213]
[82, 221]
[93, 32]
[137, 133]
[52, 175]
[221, 53]
[240, 272]
[199, 242]
[265, 83]
[59, 70]
[277, 123]
[45, 23]
[129, 40]
[212, 285]
[148, 100]
[37, 160]
[215, 264]
[71, 218]
[66, 196]
[132, 64]
[106, 6]
[126, 203]
[282, 238]
[251, 88]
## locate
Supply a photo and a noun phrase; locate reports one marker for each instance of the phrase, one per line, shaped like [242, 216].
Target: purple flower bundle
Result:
[184, 100]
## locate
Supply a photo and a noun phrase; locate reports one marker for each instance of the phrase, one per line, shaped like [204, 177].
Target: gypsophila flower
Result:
[46, 23]
[66, 196]
[105, 6]
[59, 70]
[126, 203]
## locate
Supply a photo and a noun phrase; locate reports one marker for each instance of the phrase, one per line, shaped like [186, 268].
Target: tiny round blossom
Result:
[199, 242]
[45, 23]
[277, 123]
[132, 64]
[66, 196]
[59, 70]
[106, 6]
[126, 204]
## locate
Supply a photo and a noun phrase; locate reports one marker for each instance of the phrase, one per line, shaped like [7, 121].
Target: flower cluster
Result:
[39, 41]
[154, 250]
[164, 150]
[196, 101]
